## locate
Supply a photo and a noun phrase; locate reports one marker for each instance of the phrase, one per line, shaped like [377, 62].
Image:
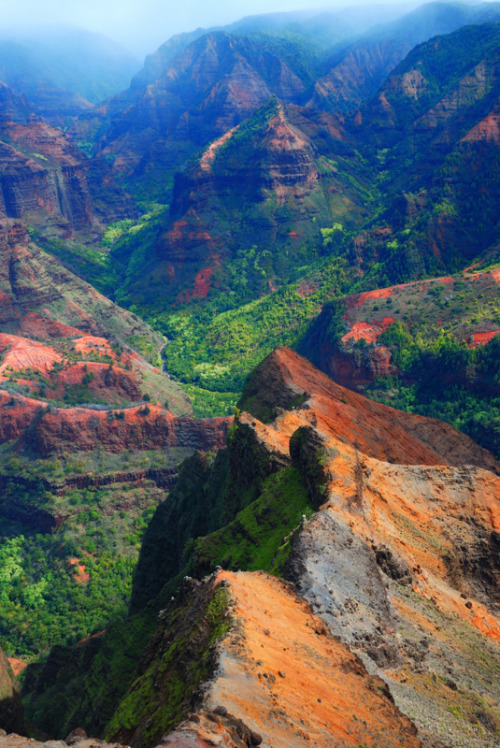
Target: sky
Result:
[142, 25]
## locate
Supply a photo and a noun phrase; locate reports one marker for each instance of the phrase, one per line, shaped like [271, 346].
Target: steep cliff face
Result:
[40, 299]
[65, 430]
[40, 296]
[252, 173]
[389, 557]
[46, 181]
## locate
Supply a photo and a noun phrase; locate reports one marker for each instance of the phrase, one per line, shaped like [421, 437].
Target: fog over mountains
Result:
[143, 26]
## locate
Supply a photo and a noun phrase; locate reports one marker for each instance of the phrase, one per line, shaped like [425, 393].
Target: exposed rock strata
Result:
[46, 180]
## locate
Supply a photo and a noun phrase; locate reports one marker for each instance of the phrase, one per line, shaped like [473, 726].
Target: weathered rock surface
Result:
[18, 741]
[277, 678]
[35, 289]
[141, 427]
[398, 557]
[211, 86]
[47, 181]
[287, 380]
[393, 554]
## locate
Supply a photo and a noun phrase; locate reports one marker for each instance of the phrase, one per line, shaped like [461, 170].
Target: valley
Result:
[250, 383]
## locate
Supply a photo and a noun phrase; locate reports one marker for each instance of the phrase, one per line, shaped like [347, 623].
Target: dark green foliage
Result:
[45, 596]
[443, 378]
[183, 516]
[205, 498]
[81, 685]
[260, 535]
[179, 659]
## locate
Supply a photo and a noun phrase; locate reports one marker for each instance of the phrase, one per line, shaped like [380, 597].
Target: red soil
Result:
[488, 129]
[481, 338]
[22, 353]
[43, 327]
[141, 427]
[209, 155]
[377, 430]
[201, 287]
[365, 331]
[16, 414]
[81, 576]
[411, 483]
[17, 665]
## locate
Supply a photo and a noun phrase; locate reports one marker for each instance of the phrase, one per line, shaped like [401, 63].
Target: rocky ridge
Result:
[277, 676]
[392, 541]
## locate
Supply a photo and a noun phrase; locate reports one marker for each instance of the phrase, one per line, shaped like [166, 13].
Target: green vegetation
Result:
[94, 676]
[162, 695]
[46, 593]
[61, 583]
[95, 265]
[442, 377]
[259, 537]
[217, 351]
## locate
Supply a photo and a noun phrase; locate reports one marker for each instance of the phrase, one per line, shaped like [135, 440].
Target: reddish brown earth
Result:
[469, 313]
[82, 337]
[49, 430]
[63, 430]
[376, 430]
[17, 414]
[17, 666]
[80, 573]
[286, 679]
[401, 560]
[51, 366]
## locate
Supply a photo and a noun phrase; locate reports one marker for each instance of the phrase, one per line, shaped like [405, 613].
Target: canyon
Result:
[205, 539]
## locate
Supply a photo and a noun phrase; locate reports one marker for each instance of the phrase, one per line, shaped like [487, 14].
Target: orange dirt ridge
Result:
[289, 681]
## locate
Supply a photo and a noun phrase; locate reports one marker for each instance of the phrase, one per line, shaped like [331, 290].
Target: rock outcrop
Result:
[58, 431]
[451, 304]
[46, 181]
